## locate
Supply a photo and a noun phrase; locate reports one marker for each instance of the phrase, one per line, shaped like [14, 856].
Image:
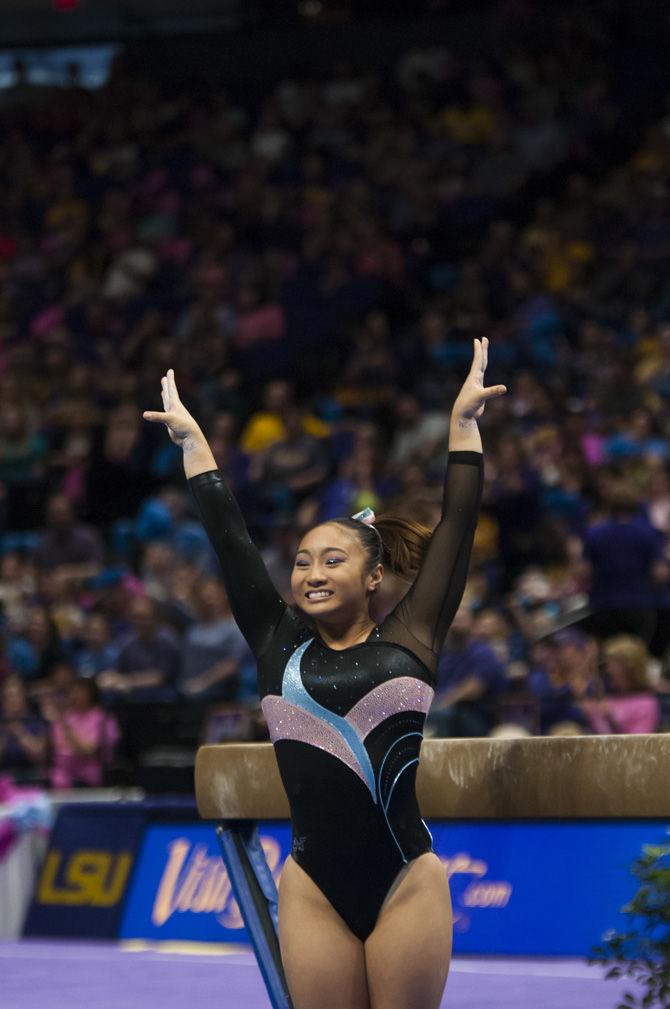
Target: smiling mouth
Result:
[316, 595]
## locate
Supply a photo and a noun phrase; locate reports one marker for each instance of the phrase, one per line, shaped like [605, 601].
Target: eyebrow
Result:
[324, 551]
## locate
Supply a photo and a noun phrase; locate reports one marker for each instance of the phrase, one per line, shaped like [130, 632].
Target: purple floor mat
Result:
[69, 975]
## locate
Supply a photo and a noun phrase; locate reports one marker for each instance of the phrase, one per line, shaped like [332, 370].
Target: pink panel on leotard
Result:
[287, 721]
[405, 693]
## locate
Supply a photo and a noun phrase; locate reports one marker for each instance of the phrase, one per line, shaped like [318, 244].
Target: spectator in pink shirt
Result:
[83, 737]
[629, 704]
[258, 322]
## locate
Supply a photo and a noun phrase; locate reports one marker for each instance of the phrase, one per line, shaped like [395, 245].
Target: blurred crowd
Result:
[314, 267]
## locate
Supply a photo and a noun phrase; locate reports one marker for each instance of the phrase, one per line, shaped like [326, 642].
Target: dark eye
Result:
[301, 564]
[334, 560]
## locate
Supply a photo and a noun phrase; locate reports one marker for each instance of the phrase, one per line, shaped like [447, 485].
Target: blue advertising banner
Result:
[547, 889]
[181, 888]
[86, 871]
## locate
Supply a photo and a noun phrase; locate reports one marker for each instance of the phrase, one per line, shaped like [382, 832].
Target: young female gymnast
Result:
[364, 906]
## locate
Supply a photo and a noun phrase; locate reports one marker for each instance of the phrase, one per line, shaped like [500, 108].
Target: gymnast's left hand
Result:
[473, 397]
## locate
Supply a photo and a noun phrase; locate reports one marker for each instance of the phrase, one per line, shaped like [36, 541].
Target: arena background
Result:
[309, 210]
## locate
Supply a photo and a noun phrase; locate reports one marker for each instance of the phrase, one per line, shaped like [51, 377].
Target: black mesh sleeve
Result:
[255, 602]
[429, 607]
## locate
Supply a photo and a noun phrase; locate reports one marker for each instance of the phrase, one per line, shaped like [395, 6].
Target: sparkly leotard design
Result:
[347, 724]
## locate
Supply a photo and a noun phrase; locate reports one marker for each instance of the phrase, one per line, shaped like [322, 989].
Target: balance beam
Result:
[543, 777]
[537, 778]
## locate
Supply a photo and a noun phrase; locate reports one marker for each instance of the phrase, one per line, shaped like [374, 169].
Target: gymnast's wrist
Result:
[194, 441]
[461, 416]
[197, 455]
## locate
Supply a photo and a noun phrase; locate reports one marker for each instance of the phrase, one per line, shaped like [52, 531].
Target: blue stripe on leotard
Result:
[293, 690]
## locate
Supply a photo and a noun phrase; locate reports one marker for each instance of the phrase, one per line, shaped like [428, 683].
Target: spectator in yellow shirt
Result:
[267, 426]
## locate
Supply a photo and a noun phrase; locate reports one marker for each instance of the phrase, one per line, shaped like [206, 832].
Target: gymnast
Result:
[346, 680]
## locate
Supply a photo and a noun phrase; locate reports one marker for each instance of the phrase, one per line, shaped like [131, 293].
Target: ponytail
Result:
[405, 544]
[394, 541]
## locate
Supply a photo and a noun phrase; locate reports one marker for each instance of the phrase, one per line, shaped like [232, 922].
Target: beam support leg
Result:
[256, 894]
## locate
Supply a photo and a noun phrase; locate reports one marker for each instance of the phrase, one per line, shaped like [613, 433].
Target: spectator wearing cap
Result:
[560, 675]
[470, 681]
[628, 704]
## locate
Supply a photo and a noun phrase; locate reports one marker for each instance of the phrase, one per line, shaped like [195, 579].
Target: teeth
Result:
[322, 594]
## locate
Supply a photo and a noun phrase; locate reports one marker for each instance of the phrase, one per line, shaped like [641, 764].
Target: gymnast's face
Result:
[331, 580]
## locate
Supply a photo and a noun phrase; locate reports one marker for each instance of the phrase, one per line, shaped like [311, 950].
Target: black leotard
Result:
[347, 724]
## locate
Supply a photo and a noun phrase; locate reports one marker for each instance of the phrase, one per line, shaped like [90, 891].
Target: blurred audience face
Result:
[96, 631]
[157, 559]
[277, 396]
[625, 659]
[14, 699]
[213, 599]
[61, 678]
[618, 675]
[13, 421]
[434, 329]
[60, 515]
[489, 624]
[224, 426]
[11, 567]
[39, 626]
[575, 658]
[184, 581]
[83, 695]
[142, 615]
[407, 410]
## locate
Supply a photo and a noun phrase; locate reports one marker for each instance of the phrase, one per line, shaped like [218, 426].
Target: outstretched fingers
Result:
[494, 390]
[170, 398]
[477, 358]
[172, 387]
[171, 401]
[155, 415]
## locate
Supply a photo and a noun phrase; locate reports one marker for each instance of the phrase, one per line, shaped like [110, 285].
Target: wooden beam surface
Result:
[531, 778]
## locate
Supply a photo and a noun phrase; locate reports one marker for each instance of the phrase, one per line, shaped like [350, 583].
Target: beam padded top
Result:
[532, 778]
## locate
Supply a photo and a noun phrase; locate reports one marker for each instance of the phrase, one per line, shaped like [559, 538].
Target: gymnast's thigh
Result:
[324, 961]
[409, 950]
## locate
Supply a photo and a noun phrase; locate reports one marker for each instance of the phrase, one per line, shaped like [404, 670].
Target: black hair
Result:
[399, 543]
[369, 538]
[91, 687]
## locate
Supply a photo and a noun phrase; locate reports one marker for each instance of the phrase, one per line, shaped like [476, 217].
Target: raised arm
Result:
[255, 603]
[429, 607]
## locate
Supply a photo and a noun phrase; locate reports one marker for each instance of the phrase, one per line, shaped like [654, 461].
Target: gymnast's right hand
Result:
[176, 417]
